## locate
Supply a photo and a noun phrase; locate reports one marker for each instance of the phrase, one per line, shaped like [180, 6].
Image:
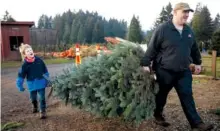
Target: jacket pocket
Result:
[190, 60]
[159, 60]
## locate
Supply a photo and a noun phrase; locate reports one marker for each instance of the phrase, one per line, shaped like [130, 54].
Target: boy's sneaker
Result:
[35, 110]
[35, 106]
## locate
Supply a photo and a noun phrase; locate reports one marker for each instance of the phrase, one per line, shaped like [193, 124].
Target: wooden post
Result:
[214, 54]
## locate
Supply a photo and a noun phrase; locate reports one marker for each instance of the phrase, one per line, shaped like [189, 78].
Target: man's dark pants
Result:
[182, 81]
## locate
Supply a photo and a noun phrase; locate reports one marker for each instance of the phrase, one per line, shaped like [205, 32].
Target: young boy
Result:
[33, 70]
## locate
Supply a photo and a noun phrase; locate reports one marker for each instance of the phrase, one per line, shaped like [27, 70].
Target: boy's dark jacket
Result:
[34, 72]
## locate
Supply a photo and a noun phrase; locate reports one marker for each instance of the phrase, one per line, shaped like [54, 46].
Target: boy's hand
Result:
[47, 84]
[21, 89]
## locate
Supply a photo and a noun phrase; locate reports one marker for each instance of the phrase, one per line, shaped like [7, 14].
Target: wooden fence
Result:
[211, 65]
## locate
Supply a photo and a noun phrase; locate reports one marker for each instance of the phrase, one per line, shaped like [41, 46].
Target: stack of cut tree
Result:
[85, 51]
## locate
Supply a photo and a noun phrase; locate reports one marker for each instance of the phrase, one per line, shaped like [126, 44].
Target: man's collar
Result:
[171, 25]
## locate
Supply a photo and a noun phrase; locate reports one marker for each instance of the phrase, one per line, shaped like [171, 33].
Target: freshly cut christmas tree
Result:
[110, 85]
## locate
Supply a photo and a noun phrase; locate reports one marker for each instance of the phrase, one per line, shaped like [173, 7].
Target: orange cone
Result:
[78, 58]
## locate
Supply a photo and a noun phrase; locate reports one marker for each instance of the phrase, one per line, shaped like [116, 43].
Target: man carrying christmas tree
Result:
[33, 69]
[172, 49]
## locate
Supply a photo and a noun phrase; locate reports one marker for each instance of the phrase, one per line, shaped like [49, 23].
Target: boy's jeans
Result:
[41, 93]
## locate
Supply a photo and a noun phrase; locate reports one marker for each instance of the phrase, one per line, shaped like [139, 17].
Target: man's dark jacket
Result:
[172, 50]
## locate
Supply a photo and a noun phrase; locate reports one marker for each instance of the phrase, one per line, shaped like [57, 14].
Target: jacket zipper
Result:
[181, 59]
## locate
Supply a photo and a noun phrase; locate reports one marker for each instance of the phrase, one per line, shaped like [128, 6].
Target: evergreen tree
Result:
[169, 10]
[106, 27]
[50, 23]
[45, 22]
[82, 17]
[98, 32]
[8, 17]
[74, 31]
[202, 26]
[148, 36]
[134, 34]
[69, 17]
[66, 35]
[68, 26]
[216, 41]
[206, 24]
[123, 29]
[165, 15]
[40, 23]
[81, 35]
[196, 22]
[90, 23]
[58, 24]
[115, 28]
[109, 28]
[217, 22]
[161, 18]
[110, 85]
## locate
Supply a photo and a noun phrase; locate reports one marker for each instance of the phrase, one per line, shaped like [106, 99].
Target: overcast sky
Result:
[30, 10]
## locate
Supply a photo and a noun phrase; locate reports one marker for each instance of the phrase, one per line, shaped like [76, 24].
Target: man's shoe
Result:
[160, 120]
[43, 115]
[203, 127]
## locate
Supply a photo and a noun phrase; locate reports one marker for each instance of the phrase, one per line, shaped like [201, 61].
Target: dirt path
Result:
[16, 106]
